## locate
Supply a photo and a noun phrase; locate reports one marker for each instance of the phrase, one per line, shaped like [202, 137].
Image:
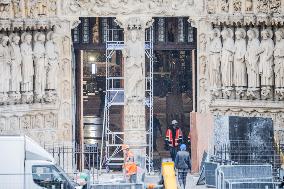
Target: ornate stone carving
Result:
[14, 124]
[202, 42]
[27, 68]
[40, 67]
[279, 59]
[25, 123]
[52, 56]
[18, 6]
[215, 48]
[5, 62]
[16, 71]
[237, 4]
[252, 63]
[5, 6]
[50, 121]
[249, 5]
[227, 61]
[38, 122]
[211, 6]
[3, 125]
[266, 62]
[224, 5]
[124, 7]
[240, 72]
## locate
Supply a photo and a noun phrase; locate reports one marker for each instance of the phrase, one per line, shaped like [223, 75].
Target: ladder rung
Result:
[115, 159]
[110, 145]
[114, 163]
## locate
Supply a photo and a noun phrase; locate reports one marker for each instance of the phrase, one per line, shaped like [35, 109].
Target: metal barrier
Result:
[71, 159]
[117, 186]
[243, 176]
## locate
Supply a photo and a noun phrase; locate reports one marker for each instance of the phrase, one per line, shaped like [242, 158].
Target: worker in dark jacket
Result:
[182, 164]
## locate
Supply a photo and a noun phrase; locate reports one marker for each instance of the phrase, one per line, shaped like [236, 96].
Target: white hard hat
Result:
[174, 122]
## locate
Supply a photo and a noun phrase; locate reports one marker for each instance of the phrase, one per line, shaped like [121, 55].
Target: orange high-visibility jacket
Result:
[131, 168]
[169, 137]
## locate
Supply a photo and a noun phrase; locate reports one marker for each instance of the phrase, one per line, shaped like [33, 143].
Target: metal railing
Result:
[244, 176]
[70, 159]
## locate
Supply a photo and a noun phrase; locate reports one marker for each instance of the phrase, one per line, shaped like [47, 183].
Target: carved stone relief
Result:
[122, 7]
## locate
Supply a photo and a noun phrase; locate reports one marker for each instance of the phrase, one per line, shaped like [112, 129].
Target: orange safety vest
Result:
[169, 137]
[130, 168]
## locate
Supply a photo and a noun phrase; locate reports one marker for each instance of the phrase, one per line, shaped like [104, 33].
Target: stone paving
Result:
[191, 183]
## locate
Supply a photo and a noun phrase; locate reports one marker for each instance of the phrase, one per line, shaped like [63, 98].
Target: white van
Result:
[26, 165]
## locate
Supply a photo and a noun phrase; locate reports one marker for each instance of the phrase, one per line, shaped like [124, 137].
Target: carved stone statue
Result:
[134, 68]
[52, 58]
[16, 70]
[40, 66]
[96, 32]
[266, 63]
[252, 62]
[215, 48]
[27, 67]
[279, 64]
[279, 59]
[5, 62]
[227, 58]
[240, 78]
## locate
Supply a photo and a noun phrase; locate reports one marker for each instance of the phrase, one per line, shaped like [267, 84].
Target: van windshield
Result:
[49, 175]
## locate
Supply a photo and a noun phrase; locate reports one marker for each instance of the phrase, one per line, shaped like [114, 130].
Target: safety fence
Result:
[242, 152]
[117, 186]
[72, 159]
[244, 177]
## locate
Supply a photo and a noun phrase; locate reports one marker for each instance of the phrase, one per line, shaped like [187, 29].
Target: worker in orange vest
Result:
[173, 138]
[130, 167]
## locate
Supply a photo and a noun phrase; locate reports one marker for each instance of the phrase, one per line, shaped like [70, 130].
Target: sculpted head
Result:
[240, 33]
[16, 39]
[5, 40]
[28, 38]
[41, 37]
[214, 33]
[279, 35]
[251, 34]
[227, 33]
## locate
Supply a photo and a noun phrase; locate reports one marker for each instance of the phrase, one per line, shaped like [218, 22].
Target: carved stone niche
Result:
[5, 7]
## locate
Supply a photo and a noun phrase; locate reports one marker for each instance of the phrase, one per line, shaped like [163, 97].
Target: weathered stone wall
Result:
[35, 66]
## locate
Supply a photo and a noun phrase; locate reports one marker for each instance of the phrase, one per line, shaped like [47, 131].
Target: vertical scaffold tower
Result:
[111, 155]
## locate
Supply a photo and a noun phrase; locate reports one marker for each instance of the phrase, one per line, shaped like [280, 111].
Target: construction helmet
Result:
[174, 122]
[125, 146]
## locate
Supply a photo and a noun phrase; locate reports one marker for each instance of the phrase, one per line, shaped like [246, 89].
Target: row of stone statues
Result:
[28, 65]
[251, 67]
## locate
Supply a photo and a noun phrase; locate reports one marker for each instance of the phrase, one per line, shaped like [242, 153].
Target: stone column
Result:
[134, 83]
[204, 90]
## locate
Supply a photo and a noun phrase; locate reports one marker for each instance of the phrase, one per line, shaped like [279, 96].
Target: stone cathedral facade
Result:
[240, 60]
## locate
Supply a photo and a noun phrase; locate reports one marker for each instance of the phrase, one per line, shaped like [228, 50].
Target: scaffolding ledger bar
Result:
[112, 141]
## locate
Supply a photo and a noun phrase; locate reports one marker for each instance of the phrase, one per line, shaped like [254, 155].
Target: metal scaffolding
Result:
[111, 152]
